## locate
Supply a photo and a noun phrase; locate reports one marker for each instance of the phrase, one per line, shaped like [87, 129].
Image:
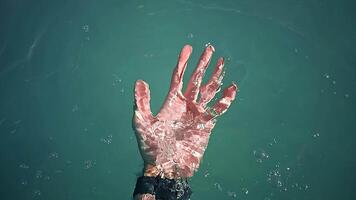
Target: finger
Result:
[195, 80]
[224, 103]
[208, 91]
[177, 77]
[142, 99]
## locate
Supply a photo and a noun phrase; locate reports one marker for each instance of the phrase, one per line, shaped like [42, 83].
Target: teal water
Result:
[67, 71]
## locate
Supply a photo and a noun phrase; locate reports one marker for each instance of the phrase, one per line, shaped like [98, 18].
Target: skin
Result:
[173, 142]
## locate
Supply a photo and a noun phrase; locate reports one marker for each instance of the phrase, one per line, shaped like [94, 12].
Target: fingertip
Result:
[231, 87]
[220, 63]
[234, 85]
[185, 54]
[235, 88]
[140, 82]
[231, 90]
[210, 46]
[188, 48]
[141, 87]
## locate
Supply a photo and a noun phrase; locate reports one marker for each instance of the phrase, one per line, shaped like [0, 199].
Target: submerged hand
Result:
[173, 142]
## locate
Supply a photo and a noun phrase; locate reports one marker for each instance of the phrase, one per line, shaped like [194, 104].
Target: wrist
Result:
[144, 197]
[151, 170]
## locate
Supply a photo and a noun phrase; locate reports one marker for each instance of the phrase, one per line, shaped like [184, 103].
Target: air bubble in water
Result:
[85, 28]
[245, 191]
[274, 141]
[306, 187]
[53, 155]
[89, 164]
[232, 194]
[206, 173]
[38, 174]
[279, 183]
[218, 186]
[24, 182]
[274, 177]
[117, 80]
[315, 135]
[24, 166]
[260, 155]
[148, 55]
[36, 193]
[75, 108]
[107, 140]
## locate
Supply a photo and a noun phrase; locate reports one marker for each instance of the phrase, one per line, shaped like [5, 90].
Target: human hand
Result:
[173, 142]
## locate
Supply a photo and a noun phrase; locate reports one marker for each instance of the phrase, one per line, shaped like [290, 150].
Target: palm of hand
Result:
[174, 141]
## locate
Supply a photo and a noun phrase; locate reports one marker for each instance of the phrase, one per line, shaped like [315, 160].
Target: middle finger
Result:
[193, 86]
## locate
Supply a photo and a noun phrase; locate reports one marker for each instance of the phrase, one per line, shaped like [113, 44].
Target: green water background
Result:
[67, 71]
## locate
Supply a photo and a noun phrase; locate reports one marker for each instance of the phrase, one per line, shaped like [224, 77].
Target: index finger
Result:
[177, 76]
